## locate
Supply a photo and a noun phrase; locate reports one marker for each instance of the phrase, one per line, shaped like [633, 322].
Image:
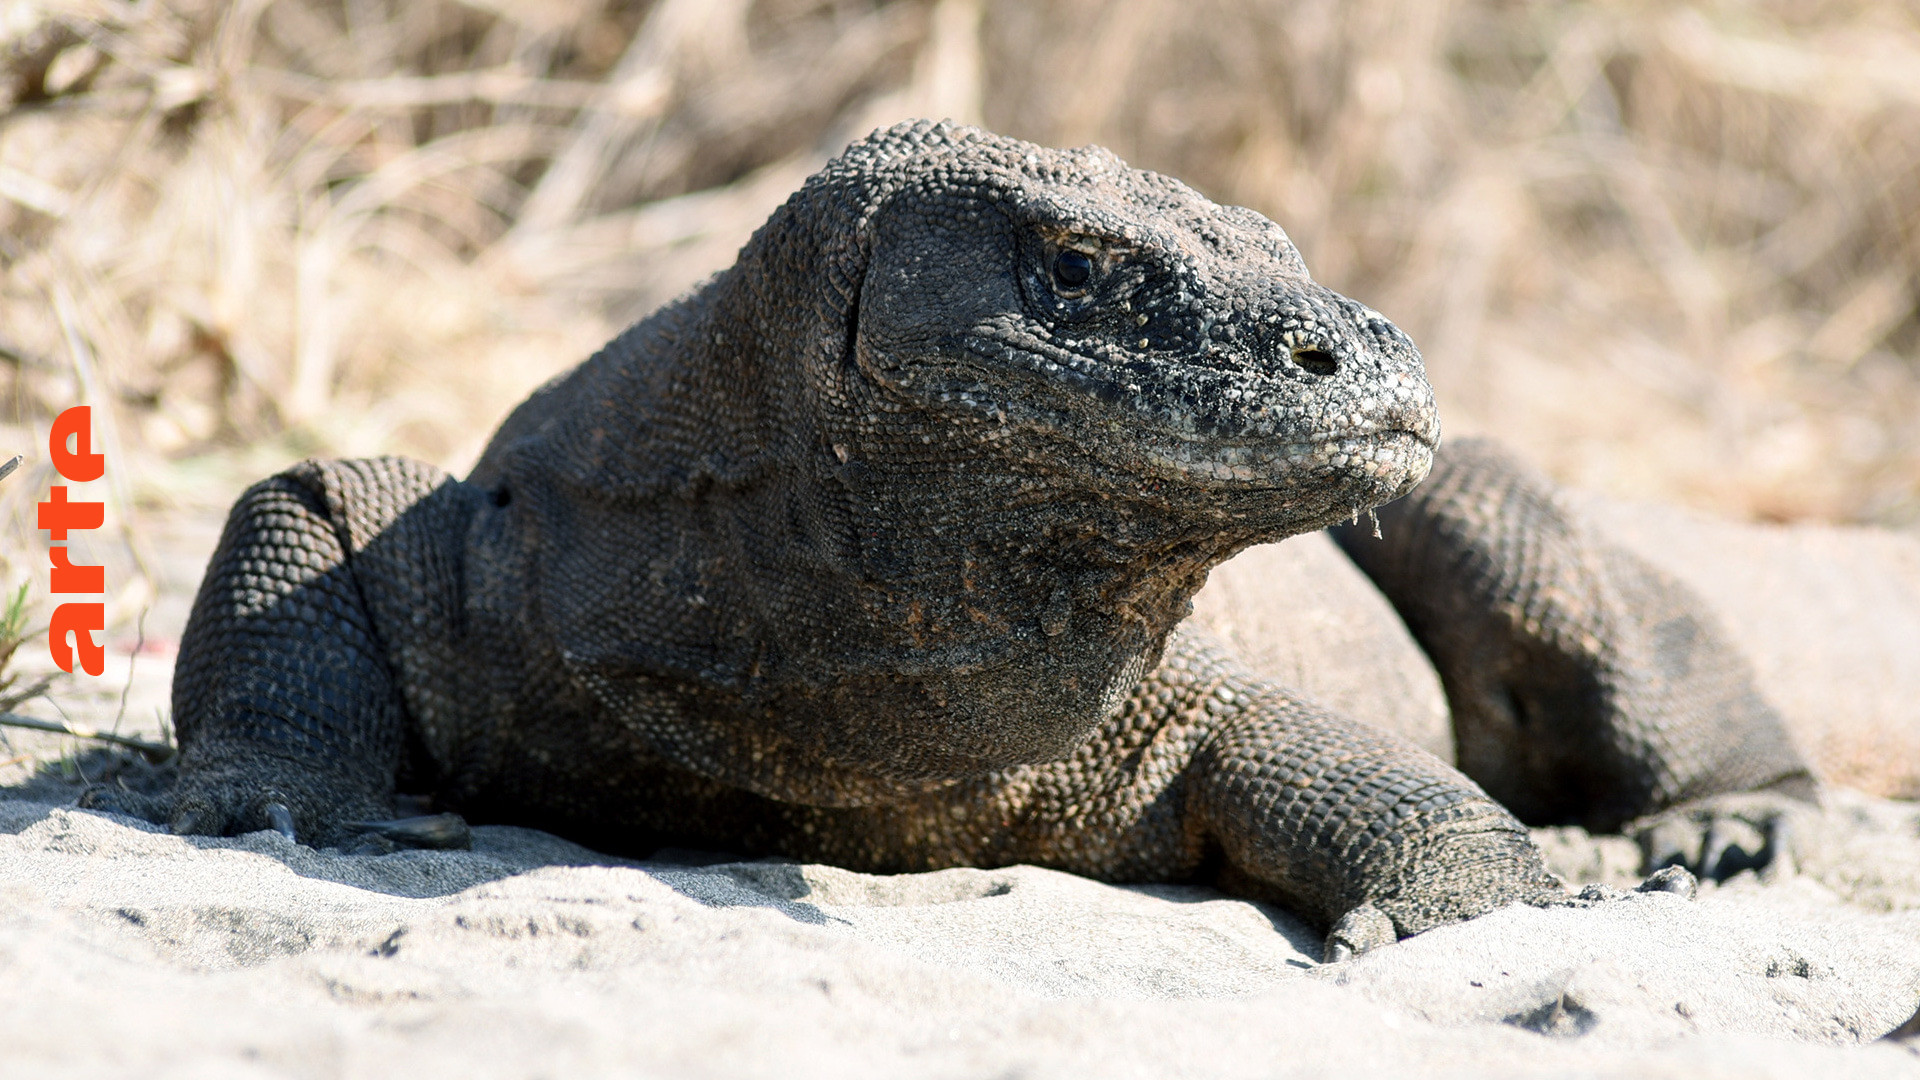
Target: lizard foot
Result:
[244, 797]
[1718, 837]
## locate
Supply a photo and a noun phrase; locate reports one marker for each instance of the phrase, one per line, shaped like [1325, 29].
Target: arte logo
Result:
[79, 621]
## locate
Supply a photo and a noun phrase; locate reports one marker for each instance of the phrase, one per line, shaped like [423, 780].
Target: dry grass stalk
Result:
[155, 752]
[1668, 251]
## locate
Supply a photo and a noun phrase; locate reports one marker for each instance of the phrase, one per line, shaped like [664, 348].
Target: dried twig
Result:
[493, 87]
[152, 751]
[310, 222]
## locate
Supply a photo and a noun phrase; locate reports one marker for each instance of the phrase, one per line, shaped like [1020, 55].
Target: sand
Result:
[127, 951]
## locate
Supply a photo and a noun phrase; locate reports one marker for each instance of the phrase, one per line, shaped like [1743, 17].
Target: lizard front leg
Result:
[284, 698]
[1208, 774]
[1353, 829]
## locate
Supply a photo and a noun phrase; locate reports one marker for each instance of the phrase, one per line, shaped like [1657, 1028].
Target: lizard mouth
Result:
[1384, 453]
[1296, 485]
[1236, 435]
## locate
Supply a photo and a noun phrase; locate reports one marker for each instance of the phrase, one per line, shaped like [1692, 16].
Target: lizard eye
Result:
[1072, 270]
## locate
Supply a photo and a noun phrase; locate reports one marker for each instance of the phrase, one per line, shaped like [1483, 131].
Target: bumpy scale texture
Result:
[872, 550]
[1586, 685]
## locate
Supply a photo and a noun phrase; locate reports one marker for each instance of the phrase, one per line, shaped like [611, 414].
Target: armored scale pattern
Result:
[872, 549]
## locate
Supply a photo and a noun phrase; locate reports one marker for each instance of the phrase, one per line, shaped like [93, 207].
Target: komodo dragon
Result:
[874, 549]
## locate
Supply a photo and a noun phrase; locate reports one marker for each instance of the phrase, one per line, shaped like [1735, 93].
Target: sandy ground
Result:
[126, 951]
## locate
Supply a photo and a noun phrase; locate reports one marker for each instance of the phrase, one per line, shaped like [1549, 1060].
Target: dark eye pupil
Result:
[1072, 268]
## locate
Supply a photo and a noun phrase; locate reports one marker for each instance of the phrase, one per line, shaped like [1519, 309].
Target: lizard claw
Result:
[186, 822]
[446, 832]
[223, 804]
[280, 820]
[1721, 836]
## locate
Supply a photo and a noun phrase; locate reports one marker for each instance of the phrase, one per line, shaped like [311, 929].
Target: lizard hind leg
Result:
[284, 698]
[1587, 686]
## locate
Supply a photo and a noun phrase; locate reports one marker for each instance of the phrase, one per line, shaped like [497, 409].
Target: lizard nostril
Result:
[1316, 361]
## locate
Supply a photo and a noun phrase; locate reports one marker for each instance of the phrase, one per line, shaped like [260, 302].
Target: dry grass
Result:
[1669, 251]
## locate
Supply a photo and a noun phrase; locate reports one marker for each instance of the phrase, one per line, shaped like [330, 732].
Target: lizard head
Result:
[925, 481]
[1042, 394]
[1140, 336]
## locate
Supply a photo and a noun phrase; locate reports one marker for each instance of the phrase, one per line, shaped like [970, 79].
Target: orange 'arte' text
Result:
[80, 621]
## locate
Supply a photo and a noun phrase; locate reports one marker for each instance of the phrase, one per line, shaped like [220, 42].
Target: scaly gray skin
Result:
[1827, 616]
[871, 550]
[1586, 685]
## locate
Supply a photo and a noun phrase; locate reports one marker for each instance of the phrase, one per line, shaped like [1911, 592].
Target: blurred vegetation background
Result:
[1668, 250]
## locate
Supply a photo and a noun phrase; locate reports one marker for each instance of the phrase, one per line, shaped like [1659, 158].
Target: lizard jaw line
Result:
[1382, 454]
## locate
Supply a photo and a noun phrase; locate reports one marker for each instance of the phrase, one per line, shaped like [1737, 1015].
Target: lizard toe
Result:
[225, 802]
[191, 821]
[118, 800]
[1719, 837]
[443, 832]
[280, 820]
[228, 813]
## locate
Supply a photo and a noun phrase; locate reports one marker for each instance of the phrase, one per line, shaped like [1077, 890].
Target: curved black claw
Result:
[444, 832]
[1722, 836]
[280, 819]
